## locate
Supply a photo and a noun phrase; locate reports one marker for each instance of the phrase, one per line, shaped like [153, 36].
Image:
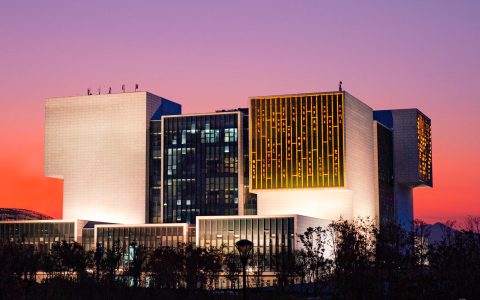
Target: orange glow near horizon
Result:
[22, 183]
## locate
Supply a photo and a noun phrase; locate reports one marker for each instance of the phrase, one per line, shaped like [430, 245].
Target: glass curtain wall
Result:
[88, 239]
[385, 175]
[155, 175]
[38, 234]
[200, 166]
[151, 237]
[270, 236]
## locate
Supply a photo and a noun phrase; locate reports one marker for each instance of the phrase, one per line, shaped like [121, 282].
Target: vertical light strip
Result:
[342, 140]
[312, 156]
[317, 138]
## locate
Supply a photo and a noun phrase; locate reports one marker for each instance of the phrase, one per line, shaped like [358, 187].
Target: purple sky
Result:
[214, 54]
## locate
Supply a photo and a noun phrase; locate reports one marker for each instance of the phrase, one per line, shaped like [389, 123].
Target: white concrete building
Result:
[98, 145]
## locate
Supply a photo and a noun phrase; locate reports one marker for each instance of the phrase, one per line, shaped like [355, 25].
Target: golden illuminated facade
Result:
[297, 141]
[424, 148]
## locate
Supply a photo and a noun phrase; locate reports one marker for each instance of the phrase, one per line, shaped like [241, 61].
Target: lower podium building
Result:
[41, 234]
[151, 236]
[271, 234]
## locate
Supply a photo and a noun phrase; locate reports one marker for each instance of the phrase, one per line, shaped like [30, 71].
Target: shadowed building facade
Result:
[383, 159]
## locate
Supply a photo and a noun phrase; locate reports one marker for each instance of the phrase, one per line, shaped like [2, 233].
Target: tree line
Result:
[346, 260]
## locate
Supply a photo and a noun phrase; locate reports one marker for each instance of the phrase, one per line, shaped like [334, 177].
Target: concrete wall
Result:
[98, 145]
[324, 203]
[405, 143]
[359, 156]
[376, 189]
[303, 223]
[404, 205]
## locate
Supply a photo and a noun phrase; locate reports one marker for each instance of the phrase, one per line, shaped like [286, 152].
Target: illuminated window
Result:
[303, 142]
[424, 148]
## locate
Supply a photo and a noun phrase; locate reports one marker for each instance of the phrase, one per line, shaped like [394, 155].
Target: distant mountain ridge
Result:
[438, 231]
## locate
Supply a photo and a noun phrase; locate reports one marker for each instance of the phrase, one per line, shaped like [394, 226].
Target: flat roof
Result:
[40, 221]
[299, 94]
[257, 217]
[202, 114]
[106, 94]
[143, 225]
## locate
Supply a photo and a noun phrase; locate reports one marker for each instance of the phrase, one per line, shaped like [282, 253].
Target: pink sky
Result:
[214, 54]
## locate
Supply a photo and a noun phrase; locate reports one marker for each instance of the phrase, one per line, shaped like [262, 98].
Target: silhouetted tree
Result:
[366, 263]
[285, 271]
[455, 263]
[391, 245]
[200, 266]
[97, 258]
[354, 259]
[232, 268]
[71, 259]
[257, 262]
[313, 265]
[11, 257]
[137, 256]
[165, 265]
[212, 265]
[111, 260]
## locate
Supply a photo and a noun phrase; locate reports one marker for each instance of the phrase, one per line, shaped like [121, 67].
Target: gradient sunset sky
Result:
[210, 55]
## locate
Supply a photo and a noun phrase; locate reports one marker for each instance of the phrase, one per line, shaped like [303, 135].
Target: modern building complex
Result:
[158, 178]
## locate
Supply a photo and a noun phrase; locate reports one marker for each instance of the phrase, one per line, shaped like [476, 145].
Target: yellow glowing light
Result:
[288, 148]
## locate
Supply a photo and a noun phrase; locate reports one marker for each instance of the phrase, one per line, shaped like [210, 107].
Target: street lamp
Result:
[244, 247]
